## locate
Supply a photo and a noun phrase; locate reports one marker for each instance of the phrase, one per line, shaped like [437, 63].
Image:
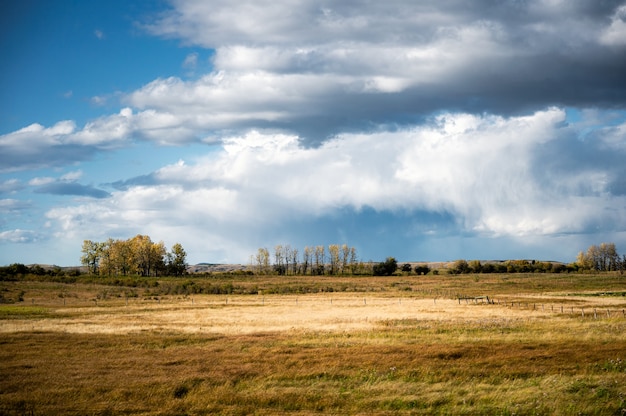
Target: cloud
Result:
[71, 188]
[8, 206]
[484, 176]
[11, 185]
[98, 100]
[19, 236]
[191, 61]
[99, 34]
[615, 34]
[36, 146]
[319, 69]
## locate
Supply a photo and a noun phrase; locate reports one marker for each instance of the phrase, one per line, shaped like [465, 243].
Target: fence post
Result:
[608, 313]
[583, 311]
[595, 314]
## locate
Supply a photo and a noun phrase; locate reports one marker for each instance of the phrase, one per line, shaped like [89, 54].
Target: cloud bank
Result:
[487, 176]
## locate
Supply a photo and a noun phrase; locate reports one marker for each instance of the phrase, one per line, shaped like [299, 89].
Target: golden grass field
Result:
[548, 344]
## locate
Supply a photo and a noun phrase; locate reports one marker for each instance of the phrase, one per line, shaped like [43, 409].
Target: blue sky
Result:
[420, 130]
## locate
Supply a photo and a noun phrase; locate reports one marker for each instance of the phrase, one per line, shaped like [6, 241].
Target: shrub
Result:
[386, 268]
[422, 269]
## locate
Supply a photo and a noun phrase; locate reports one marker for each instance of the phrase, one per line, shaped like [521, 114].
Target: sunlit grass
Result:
[416, 351]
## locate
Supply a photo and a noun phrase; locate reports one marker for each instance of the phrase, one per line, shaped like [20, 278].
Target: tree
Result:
[122, 257]
[263, 260]
[106, 264]
[406, 267]
[353, 260]
[307, 259]
[422, 269]
[279, 260]
[177, 260]
[601, 258]
[320, 258]
[475, 266]
[386, 268]
[293, 259]
[345, 257]
[333, 253]
[92, 252]
[459, 267]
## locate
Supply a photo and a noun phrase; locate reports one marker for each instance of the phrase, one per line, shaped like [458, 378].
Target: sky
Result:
[426, 131]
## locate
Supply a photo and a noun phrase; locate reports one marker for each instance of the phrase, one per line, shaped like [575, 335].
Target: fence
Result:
[594, 312]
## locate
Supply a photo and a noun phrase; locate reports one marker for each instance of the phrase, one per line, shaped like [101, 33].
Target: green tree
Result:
[92, 252]
[422, 269]
[177, 260]
[386, 268]
[459, 267]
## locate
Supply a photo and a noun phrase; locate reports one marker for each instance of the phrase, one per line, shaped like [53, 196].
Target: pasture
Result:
[543, 344]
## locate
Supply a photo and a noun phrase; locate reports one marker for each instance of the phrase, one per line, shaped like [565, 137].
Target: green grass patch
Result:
[22, 312]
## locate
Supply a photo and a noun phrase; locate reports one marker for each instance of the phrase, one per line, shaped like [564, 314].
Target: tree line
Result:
[603, 258]
[598, 258]
[334, 260]
[138, 255]
[314, 260]
[342, 260]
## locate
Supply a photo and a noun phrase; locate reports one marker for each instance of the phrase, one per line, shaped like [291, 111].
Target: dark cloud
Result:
[392, 63]
[142, 180]
[72, 188]
[37, 157]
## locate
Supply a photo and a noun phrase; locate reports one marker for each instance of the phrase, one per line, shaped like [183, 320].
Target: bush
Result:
[386, 268]
[422, 269]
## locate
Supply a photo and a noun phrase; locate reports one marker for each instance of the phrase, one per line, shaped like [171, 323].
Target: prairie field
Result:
[236, 344]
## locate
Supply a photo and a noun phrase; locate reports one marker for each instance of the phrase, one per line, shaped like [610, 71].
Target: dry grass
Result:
[72, 349]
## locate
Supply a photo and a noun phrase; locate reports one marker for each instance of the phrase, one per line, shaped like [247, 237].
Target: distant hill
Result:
[214, 268]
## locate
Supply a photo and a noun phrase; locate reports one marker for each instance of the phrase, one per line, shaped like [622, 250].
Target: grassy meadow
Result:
[237, 344]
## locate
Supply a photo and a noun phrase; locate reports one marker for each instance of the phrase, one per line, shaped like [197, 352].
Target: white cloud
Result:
[12, 205]
[191, 61]
[18, 236]
[98, 100]
[10, 185]
[72, 176]
[39, 181]
[615, 34]
[482, 170]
